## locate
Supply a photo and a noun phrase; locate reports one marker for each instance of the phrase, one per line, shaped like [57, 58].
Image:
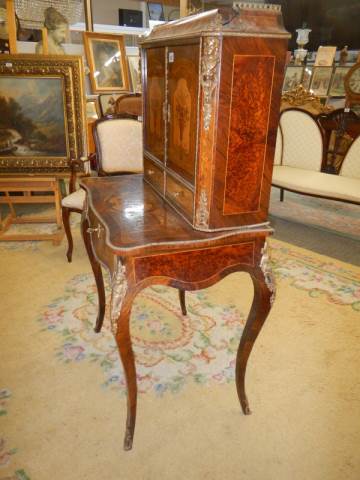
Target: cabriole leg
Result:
[66, 222]
[182, 301]
[264, 294]
[123, 340]
[96, 268]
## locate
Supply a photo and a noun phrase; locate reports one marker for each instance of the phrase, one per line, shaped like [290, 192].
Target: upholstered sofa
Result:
[299, 161]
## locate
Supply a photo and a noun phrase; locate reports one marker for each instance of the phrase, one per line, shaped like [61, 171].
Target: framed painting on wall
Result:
[42, 114]
[107, 62]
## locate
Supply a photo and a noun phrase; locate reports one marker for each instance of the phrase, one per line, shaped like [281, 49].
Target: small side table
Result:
[140, 240]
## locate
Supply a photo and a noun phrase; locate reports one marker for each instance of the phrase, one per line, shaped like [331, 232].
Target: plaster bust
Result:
[57, 27]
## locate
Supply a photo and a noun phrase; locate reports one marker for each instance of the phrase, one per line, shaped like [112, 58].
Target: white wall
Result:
[107, 11]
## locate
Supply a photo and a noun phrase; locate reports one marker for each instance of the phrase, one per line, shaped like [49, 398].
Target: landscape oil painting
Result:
[32, 117]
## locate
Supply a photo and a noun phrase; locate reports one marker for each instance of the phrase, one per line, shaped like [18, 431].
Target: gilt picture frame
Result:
[106, 57]
[41, 112]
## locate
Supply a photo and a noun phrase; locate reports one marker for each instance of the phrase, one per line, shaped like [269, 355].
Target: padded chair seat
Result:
[317, 183]
[74, 200]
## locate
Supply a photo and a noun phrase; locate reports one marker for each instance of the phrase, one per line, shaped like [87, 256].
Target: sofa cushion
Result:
[317, 183]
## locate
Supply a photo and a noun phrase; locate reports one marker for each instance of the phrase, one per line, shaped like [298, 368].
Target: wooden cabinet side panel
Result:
[249, 102]
[252, 81]
[154, 92]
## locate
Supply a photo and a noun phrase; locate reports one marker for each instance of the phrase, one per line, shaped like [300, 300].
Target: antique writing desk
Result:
[141, 240]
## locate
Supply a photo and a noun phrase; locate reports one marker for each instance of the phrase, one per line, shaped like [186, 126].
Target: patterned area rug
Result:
[174, 356]
[336, 217]
[172, 350]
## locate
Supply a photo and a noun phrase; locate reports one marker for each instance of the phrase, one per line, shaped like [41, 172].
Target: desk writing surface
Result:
[134, 216]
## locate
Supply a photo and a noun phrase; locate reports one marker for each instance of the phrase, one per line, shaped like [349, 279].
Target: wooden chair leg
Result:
[96, 268]
[182, 301]
[281, 194]
[66, 222]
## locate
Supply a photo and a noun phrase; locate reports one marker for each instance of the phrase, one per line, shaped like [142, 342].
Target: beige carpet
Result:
[62, 403]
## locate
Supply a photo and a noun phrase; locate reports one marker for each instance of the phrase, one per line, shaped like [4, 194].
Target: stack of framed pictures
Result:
[319, 80]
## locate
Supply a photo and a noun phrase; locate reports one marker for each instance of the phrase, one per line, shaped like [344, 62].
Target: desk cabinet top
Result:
[211, 88]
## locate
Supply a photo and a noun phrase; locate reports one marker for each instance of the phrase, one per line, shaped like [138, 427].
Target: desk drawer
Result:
[97, 237]
[180, 195]
[154, 175]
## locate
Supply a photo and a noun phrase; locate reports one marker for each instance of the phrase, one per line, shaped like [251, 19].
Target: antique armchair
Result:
[118, 141]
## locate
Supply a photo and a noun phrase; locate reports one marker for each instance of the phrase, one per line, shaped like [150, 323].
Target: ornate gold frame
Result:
[70, 69]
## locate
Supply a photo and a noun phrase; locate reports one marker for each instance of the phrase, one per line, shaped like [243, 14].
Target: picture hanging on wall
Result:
[106, 58]
[156, 11]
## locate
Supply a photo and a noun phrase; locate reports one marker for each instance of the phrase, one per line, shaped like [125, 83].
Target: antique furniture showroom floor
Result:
[191, 292]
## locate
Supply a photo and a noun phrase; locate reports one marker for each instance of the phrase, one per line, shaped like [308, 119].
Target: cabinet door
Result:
[183, 79]
[154, 136]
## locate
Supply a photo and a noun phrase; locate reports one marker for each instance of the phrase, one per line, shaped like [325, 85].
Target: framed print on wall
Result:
[156, 11]
[337, 87]
[106, 58]
[293, 77]
[320, 81]
[42, 113]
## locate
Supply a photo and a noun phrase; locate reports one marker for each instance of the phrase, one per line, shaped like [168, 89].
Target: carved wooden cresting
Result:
[212, 87]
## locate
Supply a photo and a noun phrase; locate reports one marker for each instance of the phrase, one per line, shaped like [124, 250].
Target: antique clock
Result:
[211, 88]
[352, 85]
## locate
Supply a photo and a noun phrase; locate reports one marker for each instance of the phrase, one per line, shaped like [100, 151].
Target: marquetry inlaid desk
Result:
[141, 240]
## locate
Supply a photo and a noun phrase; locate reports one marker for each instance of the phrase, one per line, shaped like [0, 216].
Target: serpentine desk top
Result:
[136, 219]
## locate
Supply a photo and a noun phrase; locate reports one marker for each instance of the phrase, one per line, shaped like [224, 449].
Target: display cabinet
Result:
[212, 86]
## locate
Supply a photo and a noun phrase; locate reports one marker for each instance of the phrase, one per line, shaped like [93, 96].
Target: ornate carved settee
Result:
[318, 155]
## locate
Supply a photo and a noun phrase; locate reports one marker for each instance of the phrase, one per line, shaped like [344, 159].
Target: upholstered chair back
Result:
[278, 147]
[119, 145]
[351, 164]
[302, 140]
[130, 104]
